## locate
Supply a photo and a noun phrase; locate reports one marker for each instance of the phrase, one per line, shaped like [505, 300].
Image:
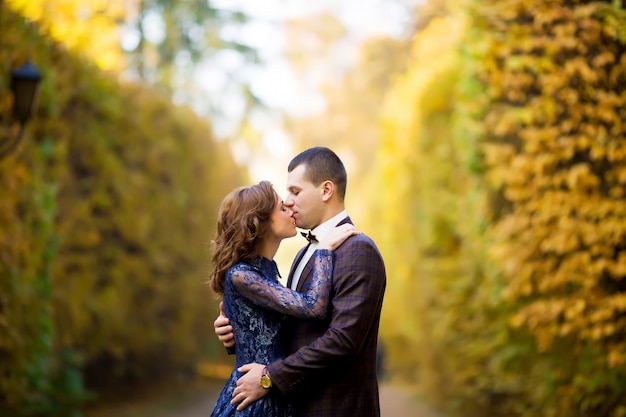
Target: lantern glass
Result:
[25, 86]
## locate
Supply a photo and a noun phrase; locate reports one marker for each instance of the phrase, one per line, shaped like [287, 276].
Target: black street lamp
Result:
[24, 85]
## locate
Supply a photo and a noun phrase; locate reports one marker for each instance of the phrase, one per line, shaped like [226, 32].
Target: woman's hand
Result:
[337, 236]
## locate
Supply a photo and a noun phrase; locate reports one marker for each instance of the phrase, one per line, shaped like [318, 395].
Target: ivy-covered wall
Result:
[504, 160]
[107, 209]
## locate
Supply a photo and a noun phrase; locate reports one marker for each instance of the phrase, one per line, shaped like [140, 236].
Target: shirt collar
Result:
[323, 229]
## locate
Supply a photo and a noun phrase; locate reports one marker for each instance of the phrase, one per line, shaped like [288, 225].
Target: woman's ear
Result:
[328, 188]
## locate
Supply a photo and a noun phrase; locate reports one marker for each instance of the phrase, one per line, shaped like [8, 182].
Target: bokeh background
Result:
[486, 152]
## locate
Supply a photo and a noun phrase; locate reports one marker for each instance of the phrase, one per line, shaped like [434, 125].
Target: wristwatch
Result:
[266, 381]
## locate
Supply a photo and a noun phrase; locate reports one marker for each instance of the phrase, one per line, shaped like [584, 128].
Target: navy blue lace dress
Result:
[256, 304]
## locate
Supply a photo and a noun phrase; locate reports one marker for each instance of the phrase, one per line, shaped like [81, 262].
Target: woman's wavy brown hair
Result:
[242, 223]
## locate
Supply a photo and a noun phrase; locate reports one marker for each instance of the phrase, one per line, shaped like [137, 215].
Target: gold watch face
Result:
[266, 382]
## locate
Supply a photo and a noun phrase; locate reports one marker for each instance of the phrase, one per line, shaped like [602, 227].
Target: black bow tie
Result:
[309, 236]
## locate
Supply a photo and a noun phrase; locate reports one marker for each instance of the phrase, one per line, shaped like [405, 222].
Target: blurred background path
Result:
[395, 401]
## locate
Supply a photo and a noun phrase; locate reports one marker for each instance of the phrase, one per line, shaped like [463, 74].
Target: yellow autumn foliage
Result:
[504, 148]
[90, 28]
[107, 209]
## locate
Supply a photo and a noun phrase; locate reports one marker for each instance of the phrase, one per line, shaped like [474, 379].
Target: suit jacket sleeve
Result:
[358, 288]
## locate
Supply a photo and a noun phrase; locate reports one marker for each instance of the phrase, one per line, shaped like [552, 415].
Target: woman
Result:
[252, 222]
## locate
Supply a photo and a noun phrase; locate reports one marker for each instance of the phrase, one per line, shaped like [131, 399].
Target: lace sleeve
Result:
[275, 296]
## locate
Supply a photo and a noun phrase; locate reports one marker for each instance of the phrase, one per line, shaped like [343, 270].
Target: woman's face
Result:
[283, 224]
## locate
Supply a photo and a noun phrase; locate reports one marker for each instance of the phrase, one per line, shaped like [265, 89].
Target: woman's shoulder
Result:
[256, 264]
[241, 266]
[240, 269]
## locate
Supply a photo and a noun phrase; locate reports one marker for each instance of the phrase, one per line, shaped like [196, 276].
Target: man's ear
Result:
[328, 188]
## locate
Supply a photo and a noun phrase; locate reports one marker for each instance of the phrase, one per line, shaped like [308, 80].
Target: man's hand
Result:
[249, 388]
[223, 329]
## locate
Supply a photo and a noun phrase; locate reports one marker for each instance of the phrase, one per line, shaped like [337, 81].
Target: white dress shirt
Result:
[319, 232]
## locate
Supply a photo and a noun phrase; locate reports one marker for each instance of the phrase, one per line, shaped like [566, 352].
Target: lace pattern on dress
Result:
[256, 304]
[270, 294]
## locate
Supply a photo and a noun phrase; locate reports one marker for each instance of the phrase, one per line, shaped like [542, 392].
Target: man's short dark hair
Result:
[321, 164]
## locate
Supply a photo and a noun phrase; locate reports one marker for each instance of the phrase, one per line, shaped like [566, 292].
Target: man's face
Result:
[304, 199]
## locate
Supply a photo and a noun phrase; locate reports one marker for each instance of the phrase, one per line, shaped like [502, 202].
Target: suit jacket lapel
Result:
[308, 269]
[294, 265]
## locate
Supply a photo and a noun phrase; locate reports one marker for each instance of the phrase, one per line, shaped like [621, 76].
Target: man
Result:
[331, 367]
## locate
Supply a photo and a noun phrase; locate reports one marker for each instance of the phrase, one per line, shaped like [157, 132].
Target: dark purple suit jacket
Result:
[331, 367]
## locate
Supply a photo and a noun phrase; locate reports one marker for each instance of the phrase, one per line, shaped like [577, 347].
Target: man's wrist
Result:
[266, 380]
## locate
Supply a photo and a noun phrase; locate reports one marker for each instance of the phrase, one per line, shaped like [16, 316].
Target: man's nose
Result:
[289, 202]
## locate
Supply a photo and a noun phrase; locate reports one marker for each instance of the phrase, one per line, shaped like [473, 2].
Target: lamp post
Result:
[24, 86]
